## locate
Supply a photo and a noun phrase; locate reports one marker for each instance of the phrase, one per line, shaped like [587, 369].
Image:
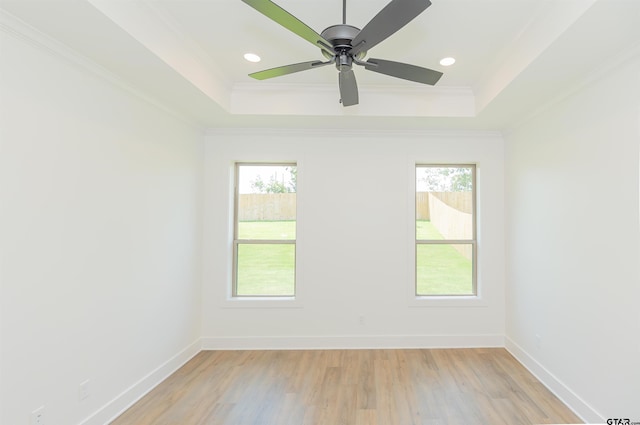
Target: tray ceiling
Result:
[512, 56]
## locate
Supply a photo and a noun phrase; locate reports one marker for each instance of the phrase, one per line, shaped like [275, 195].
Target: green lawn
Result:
[426, 230]
[266, 269]
[270, 269]
[267, 230]
[441, 269]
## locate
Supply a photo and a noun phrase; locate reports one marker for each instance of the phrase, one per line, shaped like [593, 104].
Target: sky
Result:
[249, 174]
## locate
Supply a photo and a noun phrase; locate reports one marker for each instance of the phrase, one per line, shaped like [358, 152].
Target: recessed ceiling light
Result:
[447, 61]
[252, 57]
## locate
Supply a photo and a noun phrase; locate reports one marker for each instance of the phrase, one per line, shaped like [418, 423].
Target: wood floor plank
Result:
[362, 387]
[366, 417]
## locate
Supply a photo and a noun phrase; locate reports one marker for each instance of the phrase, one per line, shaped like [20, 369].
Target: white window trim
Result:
[444, 301]
[278, 302]
[266, 302]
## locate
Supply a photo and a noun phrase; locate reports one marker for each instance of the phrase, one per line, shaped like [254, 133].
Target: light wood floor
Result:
[350, 387]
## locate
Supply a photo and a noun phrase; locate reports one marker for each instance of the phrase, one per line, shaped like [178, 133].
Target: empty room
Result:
[380, 212]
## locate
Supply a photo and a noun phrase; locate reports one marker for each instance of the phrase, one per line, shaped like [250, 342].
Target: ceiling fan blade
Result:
[287, 69]
[394, 16]
[348, 88]
[404, 71]
[290, 22]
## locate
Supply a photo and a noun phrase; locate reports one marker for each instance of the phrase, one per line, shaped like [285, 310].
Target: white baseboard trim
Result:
[350, 342]
[580, 407]
[135, 392]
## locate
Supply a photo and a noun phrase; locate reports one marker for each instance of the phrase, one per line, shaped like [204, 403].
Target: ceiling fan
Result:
[345, 45]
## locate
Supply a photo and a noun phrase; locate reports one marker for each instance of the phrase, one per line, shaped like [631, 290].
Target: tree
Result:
[277, 183]
[461, 180]
[447, 179]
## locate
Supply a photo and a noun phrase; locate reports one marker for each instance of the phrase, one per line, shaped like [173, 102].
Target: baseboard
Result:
[131, 395]
[351, 342]
[135, 392]
[580, 407]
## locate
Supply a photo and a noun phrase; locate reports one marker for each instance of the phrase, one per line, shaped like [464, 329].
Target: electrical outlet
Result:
[361, 320]
[83, 390]
[538, 342]
[37, 416]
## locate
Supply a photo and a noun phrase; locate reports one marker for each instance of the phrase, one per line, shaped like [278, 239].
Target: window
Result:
[264, 241]
[445, 230]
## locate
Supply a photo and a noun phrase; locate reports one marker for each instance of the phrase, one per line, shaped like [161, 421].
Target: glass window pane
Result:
[444, 269]
[281, 229]
[265, 269]
[266, 201]
[425, 229]
[444, 202]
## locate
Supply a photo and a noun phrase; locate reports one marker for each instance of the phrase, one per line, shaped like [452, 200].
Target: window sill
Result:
[262, 302]
[447, 301]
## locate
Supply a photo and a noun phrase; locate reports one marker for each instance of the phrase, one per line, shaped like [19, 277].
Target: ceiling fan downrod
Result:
[344, 12]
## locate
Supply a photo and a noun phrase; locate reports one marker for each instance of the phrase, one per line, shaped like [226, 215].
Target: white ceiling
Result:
[513, 56]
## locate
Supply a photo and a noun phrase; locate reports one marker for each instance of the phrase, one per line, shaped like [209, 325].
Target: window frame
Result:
[236, 241]
[474, 295]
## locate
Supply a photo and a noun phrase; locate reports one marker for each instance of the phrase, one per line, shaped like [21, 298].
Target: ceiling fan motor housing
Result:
[340, 37]
[344, 62]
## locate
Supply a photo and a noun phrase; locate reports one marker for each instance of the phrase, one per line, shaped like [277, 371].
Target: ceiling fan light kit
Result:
[345, 45]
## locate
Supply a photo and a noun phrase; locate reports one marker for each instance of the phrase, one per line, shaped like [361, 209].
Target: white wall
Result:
[100, 225]
[573, 245]
[355, 242]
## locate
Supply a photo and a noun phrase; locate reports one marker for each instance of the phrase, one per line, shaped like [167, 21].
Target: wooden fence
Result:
[449, 212]
[461, 201]
[267, 206]
[452, 223]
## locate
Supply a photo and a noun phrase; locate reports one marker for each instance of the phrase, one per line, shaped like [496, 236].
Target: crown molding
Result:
[193, 48]
[152, 27]
[375, 101]
[333, 133]
[377, 88]
[20, 30]
[544, 28]
[591, 78]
